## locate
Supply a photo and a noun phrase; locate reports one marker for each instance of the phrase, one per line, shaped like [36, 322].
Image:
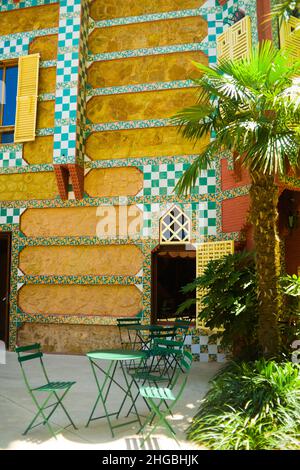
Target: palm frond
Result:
[283, 9]
[196, 121]
[204, 161]
[252, 108]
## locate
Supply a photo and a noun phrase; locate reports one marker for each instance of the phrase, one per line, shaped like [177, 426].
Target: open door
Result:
[173, 266]
[5, 260]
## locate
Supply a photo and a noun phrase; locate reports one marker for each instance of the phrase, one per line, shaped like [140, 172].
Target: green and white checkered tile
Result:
[161, 179]
[207, 218]
[14, 47]
[151, 215]
[10, 215]
[11, 156]
[66, 104]
[6, 5]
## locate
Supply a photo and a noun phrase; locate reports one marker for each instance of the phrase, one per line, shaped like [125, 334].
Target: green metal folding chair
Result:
[169, 353]
[156, 397]
[128, 342]
[53, 389]
[152, 373]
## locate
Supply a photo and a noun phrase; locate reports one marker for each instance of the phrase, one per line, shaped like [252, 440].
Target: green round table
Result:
[112, 357]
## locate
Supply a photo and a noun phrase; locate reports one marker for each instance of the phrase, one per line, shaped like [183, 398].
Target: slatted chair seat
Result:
[53, 386]
[157, 398]
[157, 392]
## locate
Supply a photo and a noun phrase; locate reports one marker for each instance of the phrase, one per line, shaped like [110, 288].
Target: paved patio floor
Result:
[17, 410]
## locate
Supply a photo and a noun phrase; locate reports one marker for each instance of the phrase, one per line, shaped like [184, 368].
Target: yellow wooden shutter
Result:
[206, 252]
[290, 38]
[236, 41]
[28, 74]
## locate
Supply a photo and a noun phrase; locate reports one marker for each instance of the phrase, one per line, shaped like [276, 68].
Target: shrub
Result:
[251, 406]
[290, 323]
[229, 302]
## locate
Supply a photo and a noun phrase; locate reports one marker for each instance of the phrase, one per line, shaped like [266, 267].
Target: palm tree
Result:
[252, 108]
[283, 9]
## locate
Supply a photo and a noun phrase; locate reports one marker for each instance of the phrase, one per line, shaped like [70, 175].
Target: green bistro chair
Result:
[160, 368]
[128, 342]
[169, 353]
[157, 397]
[53, 389]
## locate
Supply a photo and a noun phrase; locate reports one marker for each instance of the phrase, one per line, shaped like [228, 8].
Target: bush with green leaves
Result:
[229, 302]
[251, 406]
[290, 326]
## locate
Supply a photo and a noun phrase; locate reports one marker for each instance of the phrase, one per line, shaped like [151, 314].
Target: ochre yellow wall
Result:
[25, 186]
[108, 182]
[45, 114]
[29, 19]
[74, 221]
[129, 143]
[147, 69]
[69, 259]
[39, 150]
[47, 80]
[69, 339]
[46, 46]
[139, 35]
[132, 106]
[100, 300]
[106, 9]
[107, 260]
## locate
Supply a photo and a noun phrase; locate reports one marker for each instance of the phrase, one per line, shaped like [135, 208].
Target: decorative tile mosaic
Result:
[11, 156]
[10, 216]
[160, 174]
[67, 74]
[14, 47]
[207, 218]
[199, 46]
[11, 5]
[138, 88]
[161, 179]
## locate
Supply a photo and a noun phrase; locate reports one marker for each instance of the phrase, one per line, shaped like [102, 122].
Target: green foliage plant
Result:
[229, 300]
[251, 406]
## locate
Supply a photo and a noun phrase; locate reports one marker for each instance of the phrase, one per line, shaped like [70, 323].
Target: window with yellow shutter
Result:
[290, 37]
[27, 95]
[236, 42]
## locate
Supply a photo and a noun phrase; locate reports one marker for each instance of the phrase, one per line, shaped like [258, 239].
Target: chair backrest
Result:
[29, 353]
[164, 333]
[186, 361]
[184, 369]
[182, 323]
[171, 345]
[25, 353]
[128, 321]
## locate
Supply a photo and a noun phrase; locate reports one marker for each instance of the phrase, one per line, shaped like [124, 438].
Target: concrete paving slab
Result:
[17, 409]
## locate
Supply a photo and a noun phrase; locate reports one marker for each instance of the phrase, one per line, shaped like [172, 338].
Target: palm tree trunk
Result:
[264, 215]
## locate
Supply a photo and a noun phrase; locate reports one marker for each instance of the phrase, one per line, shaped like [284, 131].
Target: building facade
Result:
[89, 158]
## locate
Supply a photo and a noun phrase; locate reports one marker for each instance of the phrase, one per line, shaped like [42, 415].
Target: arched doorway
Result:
[173, 265]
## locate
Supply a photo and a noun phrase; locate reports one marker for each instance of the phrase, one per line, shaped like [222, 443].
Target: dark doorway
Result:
[172, 268]
[5, 254]
[289, 229]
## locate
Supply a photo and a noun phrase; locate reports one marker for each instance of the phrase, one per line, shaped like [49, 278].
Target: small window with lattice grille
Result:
[175, 227]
